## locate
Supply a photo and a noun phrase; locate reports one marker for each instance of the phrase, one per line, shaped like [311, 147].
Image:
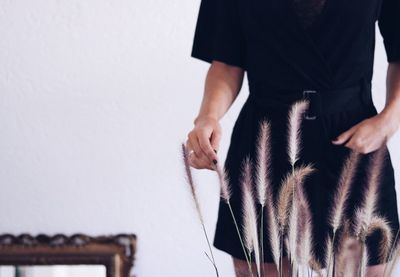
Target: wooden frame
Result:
[116, 253]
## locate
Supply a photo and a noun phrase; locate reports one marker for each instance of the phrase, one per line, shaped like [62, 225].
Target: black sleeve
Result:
[389, 25]
[218, 34]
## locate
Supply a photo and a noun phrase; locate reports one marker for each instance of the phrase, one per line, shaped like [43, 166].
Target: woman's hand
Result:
[203, 142]
[368, 135]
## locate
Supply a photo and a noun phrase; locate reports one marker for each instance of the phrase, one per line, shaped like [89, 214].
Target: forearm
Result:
[222, 85]
[391, 110]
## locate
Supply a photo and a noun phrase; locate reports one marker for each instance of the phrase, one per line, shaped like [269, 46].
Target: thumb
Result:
[343, 137]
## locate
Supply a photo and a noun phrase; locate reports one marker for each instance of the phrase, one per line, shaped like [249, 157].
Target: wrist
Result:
[205, 117]
[391, 119]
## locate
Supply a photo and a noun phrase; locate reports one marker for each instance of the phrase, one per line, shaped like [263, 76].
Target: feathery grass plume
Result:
[343, 189]
[249, 214]
[368, 206]
[284, 202]
[382, 225]
[304, 222]
[263, 162]
[293, 233]
[342, 194]
[295, 118]
[226, 195]
[365, 213]
[224, 184]
[303, 250]
[263, 166]
[190, 181]
[282, 212]
[286, 210]
[273, 232]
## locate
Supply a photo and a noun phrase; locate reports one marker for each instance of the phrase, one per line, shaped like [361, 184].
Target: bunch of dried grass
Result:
[289, 218]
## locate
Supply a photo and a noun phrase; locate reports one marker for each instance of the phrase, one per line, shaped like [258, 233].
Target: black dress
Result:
[290, 46]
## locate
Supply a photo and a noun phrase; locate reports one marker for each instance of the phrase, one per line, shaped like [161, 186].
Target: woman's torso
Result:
[308, 44]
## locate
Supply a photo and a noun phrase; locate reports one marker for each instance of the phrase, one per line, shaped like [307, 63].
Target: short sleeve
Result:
[219, 34]
[389, 25]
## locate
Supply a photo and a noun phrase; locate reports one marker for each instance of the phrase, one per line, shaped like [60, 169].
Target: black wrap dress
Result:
[287, 47]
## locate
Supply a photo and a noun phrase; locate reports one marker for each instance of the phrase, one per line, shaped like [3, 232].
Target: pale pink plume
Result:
[263, 162]
[297, 176]
[304, 222]
[293, 233]
[273, 231]
[224, 183]
[294, 129]
[189, 179]
[249, 213]
[366, 212]
[343, 189]
[381, 224]
[190, 182]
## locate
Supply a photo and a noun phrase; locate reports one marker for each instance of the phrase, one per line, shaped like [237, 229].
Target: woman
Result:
[294, 49]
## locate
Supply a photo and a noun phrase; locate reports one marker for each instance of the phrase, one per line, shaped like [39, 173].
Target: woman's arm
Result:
[222, 85]
[371, 133]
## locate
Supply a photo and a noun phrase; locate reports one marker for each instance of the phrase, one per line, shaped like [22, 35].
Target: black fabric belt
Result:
[320, 101]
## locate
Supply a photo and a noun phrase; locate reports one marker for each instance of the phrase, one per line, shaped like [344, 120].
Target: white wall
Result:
[95, 98]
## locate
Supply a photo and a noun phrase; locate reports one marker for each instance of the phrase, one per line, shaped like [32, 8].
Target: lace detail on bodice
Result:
[308, 10]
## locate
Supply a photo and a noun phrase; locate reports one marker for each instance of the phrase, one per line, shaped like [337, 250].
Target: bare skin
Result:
[222, 85]
[242, 270]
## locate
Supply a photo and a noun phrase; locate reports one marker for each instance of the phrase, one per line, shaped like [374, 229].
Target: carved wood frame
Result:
[116, 252]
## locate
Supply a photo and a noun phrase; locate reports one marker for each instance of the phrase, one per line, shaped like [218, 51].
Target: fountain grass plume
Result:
[263, 178]
[294, 129]
[304, 220]
[342, 193]
[249, 214]
[189, 178]
[273, 231]
[343, 189]
[368, 206]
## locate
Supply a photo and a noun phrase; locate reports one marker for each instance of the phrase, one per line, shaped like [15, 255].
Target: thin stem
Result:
[240, 238]
[262, 241]
[209, 247]
[213, 263]
[281, 257]
[331, 254]
[361, 271]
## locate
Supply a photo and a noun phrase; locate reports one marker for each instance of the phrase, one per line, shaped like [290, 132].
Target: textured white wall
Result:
[95, 98]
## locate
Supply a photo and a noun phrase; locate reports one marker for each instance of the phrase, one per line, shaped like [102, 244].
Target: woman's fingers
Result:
[194, 144]
[345, 136]
[198, 161]
[204, 142]
[215, 139]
